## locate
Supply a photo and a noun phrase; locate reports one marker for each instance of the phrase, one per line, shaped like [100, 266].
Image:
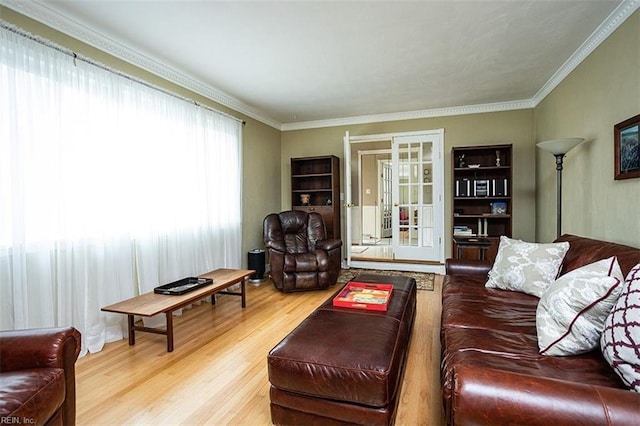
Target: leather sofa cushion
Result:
[466, 284]
[469, 305]
[518, 353]
[490, 312]
[34, 394]
[348, 355]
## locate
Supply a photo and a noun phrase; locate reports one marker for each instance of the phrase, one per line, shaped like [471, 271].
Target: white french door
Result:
[417, 196]
[415, 191]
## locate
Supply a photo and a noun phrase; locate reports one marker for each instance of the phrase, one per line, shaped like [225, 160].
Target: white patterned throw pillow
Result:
[620, 341]
[571, 313]
[526, 267]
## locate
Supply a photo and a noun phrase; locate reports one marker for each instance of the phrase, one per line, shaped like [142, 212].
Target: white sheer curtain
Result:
[108, 188]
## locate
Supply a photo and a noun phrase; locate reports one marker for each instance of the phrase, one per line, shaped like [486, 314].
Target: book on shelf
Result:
[480, 188]
[463, 231]
[463, 187]
[466, 187]
[499, 188]
[465, 234]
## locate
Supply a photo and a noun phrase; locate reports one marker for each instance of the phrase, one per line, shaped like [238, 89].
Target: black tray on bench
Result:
[182, 286]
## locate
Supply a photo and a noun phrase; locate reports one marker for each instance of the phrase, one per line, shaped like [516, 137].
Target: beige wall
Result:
[514, 127]
[261, 181]
[600, 92]
[370, 180]
[261, 143]
[369, 177]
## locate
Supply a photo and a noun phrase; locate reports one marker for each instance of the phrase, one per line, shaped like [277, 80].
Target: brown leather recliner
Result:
[300, 255]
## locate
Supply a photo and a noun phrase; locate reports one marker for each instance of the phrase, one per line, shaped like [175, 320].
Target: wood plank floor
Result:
[217, 373]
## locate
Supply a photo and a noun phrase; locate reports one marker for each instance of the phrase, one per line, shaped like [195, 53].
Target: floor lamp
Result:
[559, 147]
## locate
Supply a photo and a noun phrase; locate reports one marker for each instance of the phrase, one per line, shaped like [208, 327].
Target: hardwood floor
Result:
[217, 373]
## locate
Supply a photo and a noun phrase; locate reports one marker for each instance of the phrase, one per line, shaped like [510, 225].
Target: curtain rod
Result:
[48, 43]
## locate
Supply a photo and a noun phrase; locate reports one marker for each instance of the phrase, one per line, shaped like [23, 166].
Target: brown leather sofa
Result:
[37, 376]
[491, 370]
[301, 256]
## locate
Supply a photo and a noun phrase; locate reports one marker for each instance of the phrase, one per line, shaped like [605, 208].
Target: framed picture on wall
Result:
[626, 137]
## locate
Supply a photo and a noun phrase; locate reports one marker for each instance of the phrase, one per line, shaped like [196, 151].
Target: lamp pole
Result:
[559, 158]
[559, 148]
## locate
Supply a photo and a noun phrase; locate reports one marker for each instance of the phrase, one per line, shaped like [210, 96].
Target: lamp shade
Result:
[560, 146]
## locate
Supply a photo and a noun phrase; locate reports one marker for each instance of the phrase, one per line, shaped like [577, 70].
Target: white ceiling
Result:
[297, 63]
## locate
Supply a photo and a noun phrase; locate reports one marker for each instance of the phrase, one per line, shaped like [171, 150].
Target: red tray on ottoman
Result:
[343, 364]
[357, 295]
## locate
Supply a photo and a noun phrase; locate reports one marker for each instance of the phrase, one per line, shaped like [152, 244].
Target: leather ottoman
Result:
[344, 365]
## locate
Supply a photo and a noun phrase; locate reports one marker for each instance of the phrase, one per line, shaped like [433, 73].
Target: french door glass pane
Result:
[415, 194]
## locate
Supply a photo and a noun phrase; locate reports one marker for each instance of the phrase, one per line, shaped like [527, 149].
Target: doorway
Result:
[374, 190]
[393, 197]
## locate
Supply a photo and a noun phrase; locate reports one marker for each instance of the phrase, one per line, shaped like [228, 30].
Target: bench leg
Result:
[132, 330]
[169, 316]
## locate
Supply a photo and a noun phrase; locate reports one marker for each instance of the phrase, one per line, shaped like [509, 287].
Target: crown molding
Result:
[49, 17]
[411, 115]
[613, 21]
[41, 13]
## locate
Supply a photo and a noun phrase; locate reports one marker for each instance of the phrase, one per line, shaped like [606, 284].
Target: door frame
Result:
[397, 264]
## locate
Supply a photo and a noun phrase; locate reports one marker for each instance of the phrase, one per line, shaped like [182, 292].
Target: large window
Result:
[108, 188]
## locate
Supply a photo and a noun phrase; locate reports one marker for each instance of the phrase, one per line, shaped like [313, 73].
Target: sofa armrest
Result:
[490, 397]
[45, 348]
[467, 267]
[39, 348]
[328, 244]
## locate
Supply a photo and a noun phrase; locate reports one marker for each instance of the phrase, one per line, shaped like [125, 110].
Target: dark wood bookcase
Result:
[315, 187]
[482, 197]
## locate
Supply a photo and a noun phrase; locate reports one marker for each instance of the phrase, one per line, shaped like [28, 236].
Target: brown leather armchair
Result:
[300, 255]
[37, 376]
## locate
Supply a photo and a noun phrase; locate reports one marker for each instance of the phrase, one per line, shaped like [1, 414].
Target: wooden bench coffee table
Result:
[150, 304]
